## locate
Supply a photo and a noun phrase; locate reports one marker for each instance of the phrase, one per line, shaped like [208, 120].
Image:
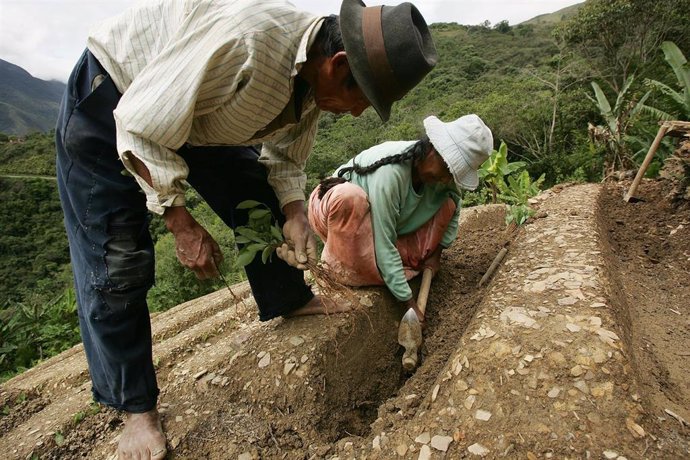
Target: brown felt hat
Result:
[389, 49]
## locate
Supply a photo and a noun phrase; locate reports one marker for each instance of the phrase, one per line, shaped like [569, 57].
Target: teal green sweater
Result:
[397, 209]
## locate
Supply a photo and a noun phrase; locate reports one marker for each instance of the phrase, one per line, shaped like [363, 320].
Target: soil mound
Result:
[578, 347]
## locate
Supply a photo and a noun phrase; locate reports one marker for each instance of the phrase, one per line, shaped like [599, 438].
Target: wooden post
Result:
[645, 164]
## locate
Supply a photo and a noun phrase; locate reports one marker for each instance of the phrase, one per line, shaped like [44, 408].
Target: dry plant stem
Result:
[329, 287]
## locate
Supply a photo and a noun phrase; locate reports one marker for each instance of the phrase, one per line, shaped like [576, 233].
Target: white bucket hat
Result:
[464, 144]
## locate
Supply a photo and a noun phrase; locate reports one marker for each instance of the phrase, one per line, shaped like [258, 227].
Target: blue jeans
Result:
[110, 246]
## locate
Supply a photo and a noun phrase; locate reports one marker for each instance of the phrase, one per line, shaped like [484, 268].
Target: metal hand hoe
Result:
[410, 330]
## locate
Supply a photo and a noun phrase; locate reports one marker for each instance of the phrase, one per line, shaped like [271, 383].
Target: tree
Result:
[621, 37]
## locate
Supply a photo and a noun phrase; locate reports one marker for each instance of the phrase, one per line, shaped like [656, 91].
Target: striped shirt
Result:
[208, 72]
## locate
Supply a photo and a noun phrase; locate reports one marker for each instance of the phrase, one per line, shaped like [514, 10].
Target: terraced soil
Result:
[577, 348]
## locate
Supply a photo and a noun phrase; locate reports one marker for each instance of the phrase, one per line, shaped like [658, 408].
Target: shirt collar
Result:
[304, 45]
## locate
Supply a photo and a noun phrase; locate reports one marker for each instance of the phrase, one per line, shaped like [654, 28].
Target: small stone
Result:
[434, 393]
[265, 361]
[482, 415]
[573, 327]
[610, 454]
[376, 443]
[401, 449]
[606, 336]
[441, 442]
[566, 301]
[296, 340]
[245, 456]
[598, 305]
[178, 418]
[304, 359]
[528, 358]
[518, 316]
[577, 371]
[636, 430]
[554, 392]
[584, 361]
[582, 386]
[478, 449]
[423, 438]
[366, 301]
[424, 453]
[531, 456]
[288, 367]
[461, 385]
[556, 358]
[469, 402]
[602, 390]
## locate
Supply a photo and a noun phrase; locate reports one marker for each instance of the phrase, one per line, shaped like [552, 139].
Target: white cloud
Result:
[45, 37]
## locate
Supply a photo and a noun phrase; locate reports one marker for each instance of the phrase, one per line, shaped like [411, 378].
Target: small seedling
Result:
[263, 235]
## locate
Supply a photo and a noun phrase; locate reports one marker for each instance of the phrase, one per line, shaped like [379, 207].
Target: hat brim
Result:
[467, 178]
[351, 31]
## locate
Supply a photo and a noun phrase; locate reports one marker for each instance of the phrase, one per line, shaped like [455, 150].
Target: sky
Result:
[45, 37]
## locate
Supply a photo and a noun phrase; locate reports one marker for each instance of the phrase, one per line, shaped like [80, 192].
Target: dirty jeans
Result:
[342, 220]
[111, 249]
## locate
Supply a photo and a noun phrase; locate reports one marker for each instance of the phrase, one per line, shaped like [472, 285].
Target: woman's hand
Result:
[434, 260]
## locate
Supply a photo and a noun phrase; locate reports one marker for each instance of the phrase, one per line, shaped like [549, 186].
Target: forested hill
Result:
[27, 103]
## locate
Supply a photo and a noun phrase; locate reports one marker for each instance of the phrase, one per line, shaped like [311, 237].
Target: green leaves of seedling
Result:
[516, 190]
[261, 234]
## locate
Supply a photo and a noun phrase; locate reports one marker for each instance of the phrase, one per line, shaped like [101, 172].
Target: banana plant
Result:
[618, 119]
[681, 98]
[517, 192]
[493, 170]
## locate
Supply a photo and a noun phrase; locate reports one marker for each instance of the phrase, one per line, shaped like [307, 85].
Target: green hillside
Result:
[556, 17]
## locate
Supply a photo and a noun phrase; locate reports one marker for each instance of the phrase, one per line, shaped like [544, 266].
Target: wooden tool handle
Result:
[424, 289]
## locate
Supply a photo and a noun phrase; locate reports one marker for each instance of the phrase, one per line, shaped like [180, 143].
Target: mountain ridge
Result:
[27, 103]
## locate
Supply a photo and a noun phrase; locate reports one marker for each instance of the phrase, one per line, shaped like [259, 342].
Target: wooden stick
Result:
[423, 296]
[497, 260]
[645, 164]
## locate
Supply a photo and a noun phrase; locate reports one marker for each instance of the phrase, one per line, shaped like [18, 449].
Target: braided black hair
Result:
[413, 152]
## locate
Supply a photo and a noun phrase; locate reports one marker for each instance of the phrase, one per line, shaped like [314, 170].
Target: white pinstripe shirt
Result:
[208, 72]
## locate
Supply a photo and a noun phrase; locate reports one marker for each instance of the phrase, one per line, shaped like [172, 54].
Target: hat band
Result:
[372, 32]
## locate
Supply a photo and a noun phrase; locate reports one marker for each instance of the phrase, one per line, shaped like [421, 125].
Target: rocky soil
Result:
[579, 347]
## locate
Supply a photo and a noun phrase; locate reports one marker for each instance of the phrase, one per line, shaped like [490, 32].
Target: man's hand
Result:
[196, 249]
[300, 246]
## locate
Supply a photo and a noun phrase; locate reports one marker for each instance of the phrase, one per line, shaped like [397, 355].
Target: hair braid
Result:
[413, 152]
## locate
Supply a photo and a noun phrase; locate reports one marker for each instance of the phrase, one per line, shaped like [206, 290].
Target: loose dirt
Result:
[577, 348]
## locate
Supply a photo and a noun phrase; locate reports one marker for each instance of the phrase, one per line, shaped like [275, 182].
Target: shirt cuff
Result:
[288, 196]
[158, 204]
